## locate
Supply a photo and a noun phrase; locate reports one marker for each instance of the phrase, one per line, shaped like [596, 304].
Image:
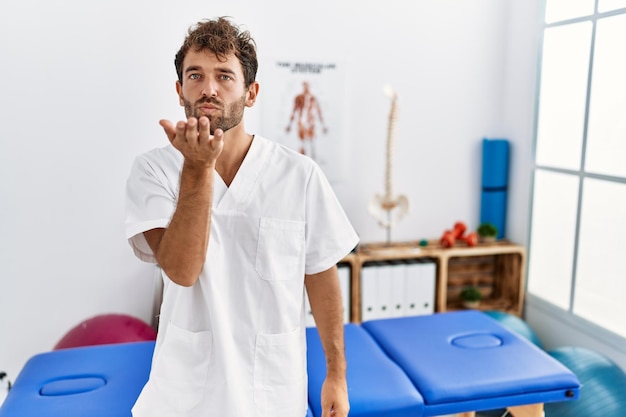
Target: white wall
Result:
[83, 84]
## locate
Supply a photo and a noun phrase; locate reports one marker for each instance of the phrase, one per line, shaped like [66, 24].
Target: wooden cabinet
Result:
[497, 269]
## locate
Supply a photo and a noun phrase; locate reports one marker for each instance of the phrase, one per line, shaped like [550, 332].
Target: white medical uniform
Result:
[233, 344]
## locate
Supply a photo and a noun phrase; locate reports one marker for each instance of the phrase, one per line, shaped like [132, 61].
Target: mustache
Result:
[208, 100]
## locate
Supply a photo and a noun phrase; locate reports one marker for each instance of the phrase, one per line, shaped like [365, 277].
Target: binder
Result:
[369, 300]
[384, 278]
[420, 287]
[426, 294]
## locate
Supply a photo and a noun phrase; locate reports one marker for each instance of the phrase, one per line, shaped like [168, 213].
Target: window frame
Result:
[568, 316]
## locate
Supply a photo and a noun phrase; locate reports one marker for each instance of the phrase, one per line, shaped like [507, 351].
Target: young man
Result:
[238, 225]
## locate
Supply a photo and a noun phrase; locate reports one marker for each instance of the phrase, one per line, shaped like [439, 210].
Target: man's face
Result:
[214, 89]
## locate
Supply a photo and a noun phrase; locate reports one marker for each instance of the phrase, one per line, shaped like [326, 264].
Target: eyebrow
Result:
[193, 68]
[226, 71]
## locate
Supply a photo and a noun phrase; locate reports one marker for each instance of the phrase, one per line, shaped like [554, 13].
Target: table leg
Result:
[531, 410]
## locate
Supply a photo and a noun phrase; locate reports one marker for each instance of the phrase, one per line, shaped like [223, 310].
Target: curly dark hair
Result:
[222, 38]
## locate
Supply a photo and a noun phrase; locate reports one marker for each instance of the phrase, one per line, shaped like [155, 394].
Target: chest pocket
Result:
[280, 249]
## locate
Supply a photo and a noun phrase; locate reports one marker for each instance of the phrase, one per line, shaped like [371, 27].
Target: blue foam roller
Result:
[495, 174]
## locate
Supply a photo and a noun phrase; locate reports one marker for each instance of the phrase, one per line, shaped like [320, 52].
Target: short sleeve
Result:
[329, 234]
[150, 203]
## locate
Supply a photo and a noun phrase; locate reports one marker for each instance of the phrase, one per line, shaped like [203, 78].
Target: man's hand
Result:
[335, 401]
[193, 139]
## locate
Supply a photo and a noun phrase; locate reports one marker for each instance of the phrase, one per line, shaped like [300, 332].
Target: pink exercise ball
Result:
[107, 329]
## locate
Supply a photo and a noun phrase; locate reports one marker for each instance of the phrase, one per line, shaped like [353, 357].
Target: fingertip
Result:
[168, 128]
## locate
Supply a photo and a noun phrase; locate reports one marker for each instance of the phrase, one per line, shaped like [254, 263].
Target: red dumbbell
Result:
[471, 239]
[449, 237]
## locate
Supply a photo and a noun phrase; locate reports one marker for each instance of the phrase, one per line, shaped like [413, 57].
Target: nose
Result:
[209, 89]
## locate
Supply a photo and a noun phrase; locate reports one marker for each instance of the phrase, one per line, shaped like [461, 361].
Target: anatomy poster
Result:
[304, 109]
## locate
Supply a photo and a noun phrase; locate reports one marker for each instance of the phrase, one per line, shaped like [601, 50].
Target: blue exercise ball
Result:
[516, 325]
[603, 391]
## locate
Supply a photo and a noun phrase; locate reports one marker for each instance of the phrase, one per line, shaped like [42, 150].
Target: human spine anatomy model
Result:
[389, 208]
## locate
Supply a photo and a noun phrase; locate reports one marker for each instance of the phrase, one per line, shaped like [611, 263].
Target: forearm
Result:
[181, 248]
[327, 307]
[181, 252]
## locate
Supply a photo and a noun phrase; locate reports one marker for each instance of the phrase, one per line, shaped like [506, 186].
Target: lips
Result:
[207, 103]
[208, 107]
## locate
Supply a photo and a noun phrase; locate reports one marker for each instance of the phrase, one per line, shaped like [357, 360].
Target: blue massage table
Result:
[93, 381]
[403, 367]
[445, 363]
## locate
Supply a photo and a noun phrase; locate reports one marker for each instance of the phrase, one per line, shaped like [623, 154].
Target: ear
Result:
[179, 91]
[253, 92]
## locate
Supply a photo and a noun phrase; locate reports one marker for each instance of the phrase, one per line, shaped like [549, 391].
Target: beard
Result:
[230, 116]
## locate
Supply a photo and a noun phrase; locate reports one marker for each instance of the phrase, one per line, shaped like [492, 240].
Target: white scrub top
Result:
[233, 344]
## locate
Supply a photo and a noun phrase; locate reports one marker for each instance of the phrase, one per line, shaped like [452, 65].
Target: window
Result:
[608, 5]
[557, 10]
[577, 254]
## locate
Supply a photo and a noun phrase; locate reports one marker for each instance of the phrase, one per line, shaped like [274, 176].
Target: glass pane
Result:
[607, 5]
[567, 9]
[553, 228]
[606, 137]
[601, 270]
[562, 95]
